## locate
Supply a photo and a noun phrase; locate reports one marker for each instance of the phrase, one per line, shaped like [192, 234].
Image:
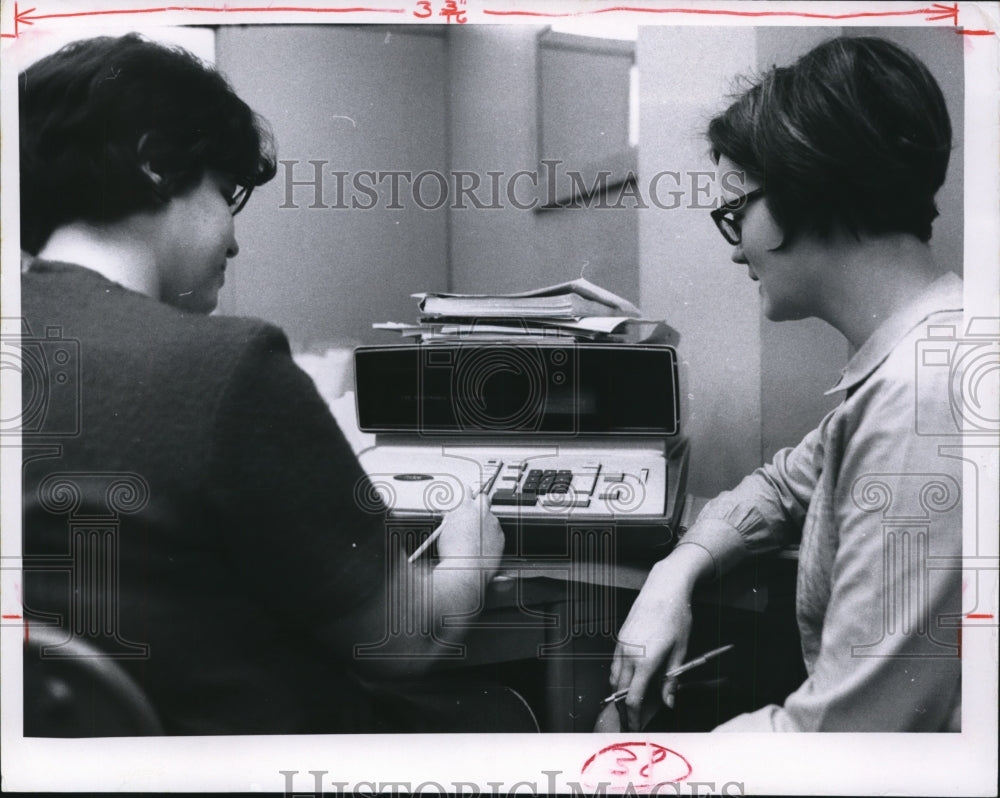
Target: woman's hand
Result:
[471, 531]
[654, 637]
[430, 590]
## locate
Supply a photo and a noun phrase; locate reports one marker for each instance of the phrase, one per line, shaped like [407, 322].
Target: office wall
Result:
[685, 274]
[583, 97]
[357, 98]
[416, 99]
[749, 386]
[494, 127]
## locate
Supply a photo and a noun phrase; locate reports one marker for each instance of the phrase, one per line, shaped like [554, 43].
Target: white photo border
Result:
[963, 763]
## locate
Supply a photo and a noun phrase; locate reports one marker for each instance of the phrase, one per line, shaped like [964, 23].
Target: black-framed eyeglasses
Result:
[239, 199]
[725, 216]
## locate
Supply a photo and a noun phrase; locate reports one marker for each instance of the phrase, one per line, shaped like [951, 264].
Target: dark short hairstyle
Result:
[93, 114]
[854, 134]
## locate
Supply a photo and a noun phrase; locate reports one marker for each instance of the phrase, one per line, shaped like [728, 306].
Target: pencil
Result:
[426, 544]
[473, 494]
[620, 694]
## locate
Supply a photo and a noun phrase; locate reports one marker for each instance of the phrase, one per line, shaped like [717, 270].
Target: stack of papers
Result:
[577, 310]
[572, 300]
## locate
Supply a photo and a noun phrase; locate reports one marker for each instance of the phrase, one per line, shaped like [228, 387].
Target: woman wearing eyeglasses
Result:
[841, 155]
[243, 568]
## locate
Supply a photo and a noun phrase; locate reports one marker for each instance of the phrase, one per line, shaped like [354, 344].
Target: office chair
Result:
[81, 692]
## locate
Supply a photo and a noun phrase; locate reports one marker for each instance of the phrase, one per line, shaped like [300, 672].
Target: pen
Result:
[619, 695]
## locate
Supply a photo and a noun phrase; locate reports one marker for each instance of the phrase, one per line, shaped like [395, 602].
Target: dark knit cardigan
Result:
[194, 456]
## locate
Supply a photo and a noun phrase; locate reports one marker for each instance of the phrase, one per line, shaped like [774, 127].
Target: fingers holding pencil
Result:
[670, 677]
[469, 531]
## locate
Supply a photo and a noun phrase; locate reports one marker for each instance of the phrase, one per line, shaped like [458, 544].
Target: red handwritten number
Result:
[451, 12]
[622, 763]
[659, 754]
[424, 10]
[624, 760]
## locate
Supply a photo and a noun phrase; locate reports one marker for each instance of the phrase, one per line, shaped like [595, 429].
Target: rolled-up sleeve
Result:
[766, 510]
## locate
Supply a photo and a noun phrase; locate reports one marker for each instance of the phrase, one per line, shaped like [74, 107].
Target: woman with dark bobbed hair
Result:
[242, 572]
[113, 131]
[832, 165]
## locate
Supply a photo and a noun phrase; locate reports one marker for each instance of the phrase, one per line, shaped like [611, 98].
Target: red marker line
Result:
[976, 32]
[28, 17]
[25, 19]
[979, 615]
[941, 12]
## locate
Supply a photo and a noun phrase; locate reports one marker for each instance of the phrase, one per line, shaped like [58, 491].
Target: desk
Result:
[558, 620]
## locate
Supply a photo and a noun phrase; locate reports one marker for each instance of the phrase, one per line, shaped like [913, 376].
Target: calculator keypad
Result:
[553, 487]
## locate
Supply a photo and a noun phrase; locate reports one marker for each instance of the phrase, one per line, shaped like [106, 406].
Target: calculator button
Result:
[513, 498]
